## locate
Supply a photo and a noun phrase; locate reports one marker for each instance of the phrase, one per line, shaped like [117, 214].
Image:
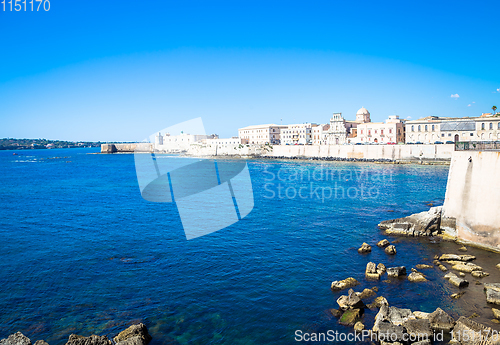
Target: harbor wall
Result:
[473, 197]
[392, 152]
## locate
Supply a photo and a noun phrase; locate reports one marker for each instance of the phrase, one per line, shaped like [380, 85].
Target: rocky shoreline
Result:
[133, 335]
[459, 270]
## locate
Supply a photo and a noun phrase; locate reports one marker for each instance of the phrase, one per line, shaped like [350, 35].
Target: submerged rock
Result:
[134, 335]
[423, 266]
[466, 267]
[344, 284]
[359, 326]
[496, 313]
[16, 339]
[92, 340]
[419, 224]
[378, 302]
[479, 274]
[350, 317]
[365, 248]
[366, 293]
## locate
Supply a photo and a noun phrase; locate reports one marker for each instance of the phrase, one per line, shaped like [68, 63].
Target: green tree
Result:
[494, 109]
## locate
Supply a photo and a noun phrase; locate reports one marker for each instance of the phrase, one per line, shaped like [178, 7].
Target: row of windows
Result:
[433, 127]
[381, 131]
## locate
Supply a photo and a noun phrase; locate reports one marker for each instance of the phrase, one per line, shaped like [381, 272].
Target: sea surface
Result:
[82, 252]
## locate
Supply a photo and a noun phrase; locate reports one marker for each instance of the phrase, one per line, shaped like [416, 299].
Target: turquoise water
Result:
[83, 253]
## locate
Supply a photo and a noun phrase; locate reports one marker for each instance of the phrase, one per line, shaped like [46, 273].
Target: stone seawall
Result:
[126, 148]
[473, 197]
[391, 152]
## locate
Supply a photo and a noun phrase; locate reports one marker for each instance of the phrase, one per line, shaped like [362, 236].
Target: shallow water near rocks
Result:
[83, 253]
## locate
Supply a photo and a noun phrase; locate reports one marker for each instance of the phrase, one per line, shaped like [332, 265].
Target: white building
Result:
[298, 134]
[179, 142]
[223, 143]
[391, 131]
[320, 134]
[444, 129]
[261, 134]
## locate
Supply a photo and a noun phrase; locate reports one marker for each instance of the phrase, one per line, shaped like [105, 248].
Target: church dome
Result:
[363, 111]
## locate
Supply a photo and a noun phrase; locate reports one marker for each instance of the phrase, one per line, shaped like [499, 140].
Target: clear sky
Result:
[121, 70]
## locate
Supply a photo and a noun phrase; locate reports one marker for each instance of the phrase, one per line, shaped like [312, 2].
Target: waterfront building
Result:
[223, 143]
[320, 134]
[343, 131]
[298, 134]
[261, 134]
[433, 129]
[179, 142]
[390, 131]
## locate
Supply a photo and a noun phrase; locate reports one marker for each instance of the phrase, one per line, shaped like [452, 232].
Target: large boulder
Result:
[419, 224]
[382, 244]
[16, 339]
[470, 332]
[134, 335]
[344, 284]
[350, 302]
[492, 293]
[466, 267]
[418, 327]
[441, 321]
[75, 339]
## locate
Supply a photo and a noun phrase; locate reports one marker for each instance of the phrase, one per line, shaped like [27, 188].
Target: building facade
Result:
[391, 131]
[298, 134]
[261, 134]
[435, 129]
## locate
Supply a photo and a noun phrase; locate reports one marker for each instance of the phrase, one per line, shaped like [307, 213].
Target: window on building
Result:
[426, 128]
[419, 128]
[433, 128]
[442, 134]
[482, 126]
[491, 125]
[381, 131]
[472, 134]
[413, 128]
[390, 131]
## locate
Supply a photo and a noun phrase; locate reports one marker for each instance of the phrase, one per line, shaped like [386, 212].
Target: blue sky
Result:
[121, 70]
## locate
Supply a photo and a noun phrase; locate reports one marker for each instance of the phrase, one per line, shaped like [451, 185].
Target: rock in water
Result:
[396, 271]
[391, 250]
[344, 284]
[382, 244]
[365, 248]
[16, 339]
[441, 321]
[366, 293]
[350, 302]
[41, 342]
[371, 271]
[463, 249]
[455, 257]
[420, 224]
[416, 277]
[479, 274]
[496, 313]
[492, 293]
[378, 302]
[381, 268]
[134, 335]
[423, 266]
[359, 326]
[92, 340]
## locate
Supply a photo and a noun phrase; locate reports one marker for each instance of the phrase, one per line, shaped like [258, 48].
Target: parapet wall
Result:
[473, 197]
[393, 152]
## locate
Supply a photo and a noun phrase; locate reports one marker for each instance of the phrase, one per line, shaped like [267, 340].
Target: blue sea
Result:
[82, 252]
